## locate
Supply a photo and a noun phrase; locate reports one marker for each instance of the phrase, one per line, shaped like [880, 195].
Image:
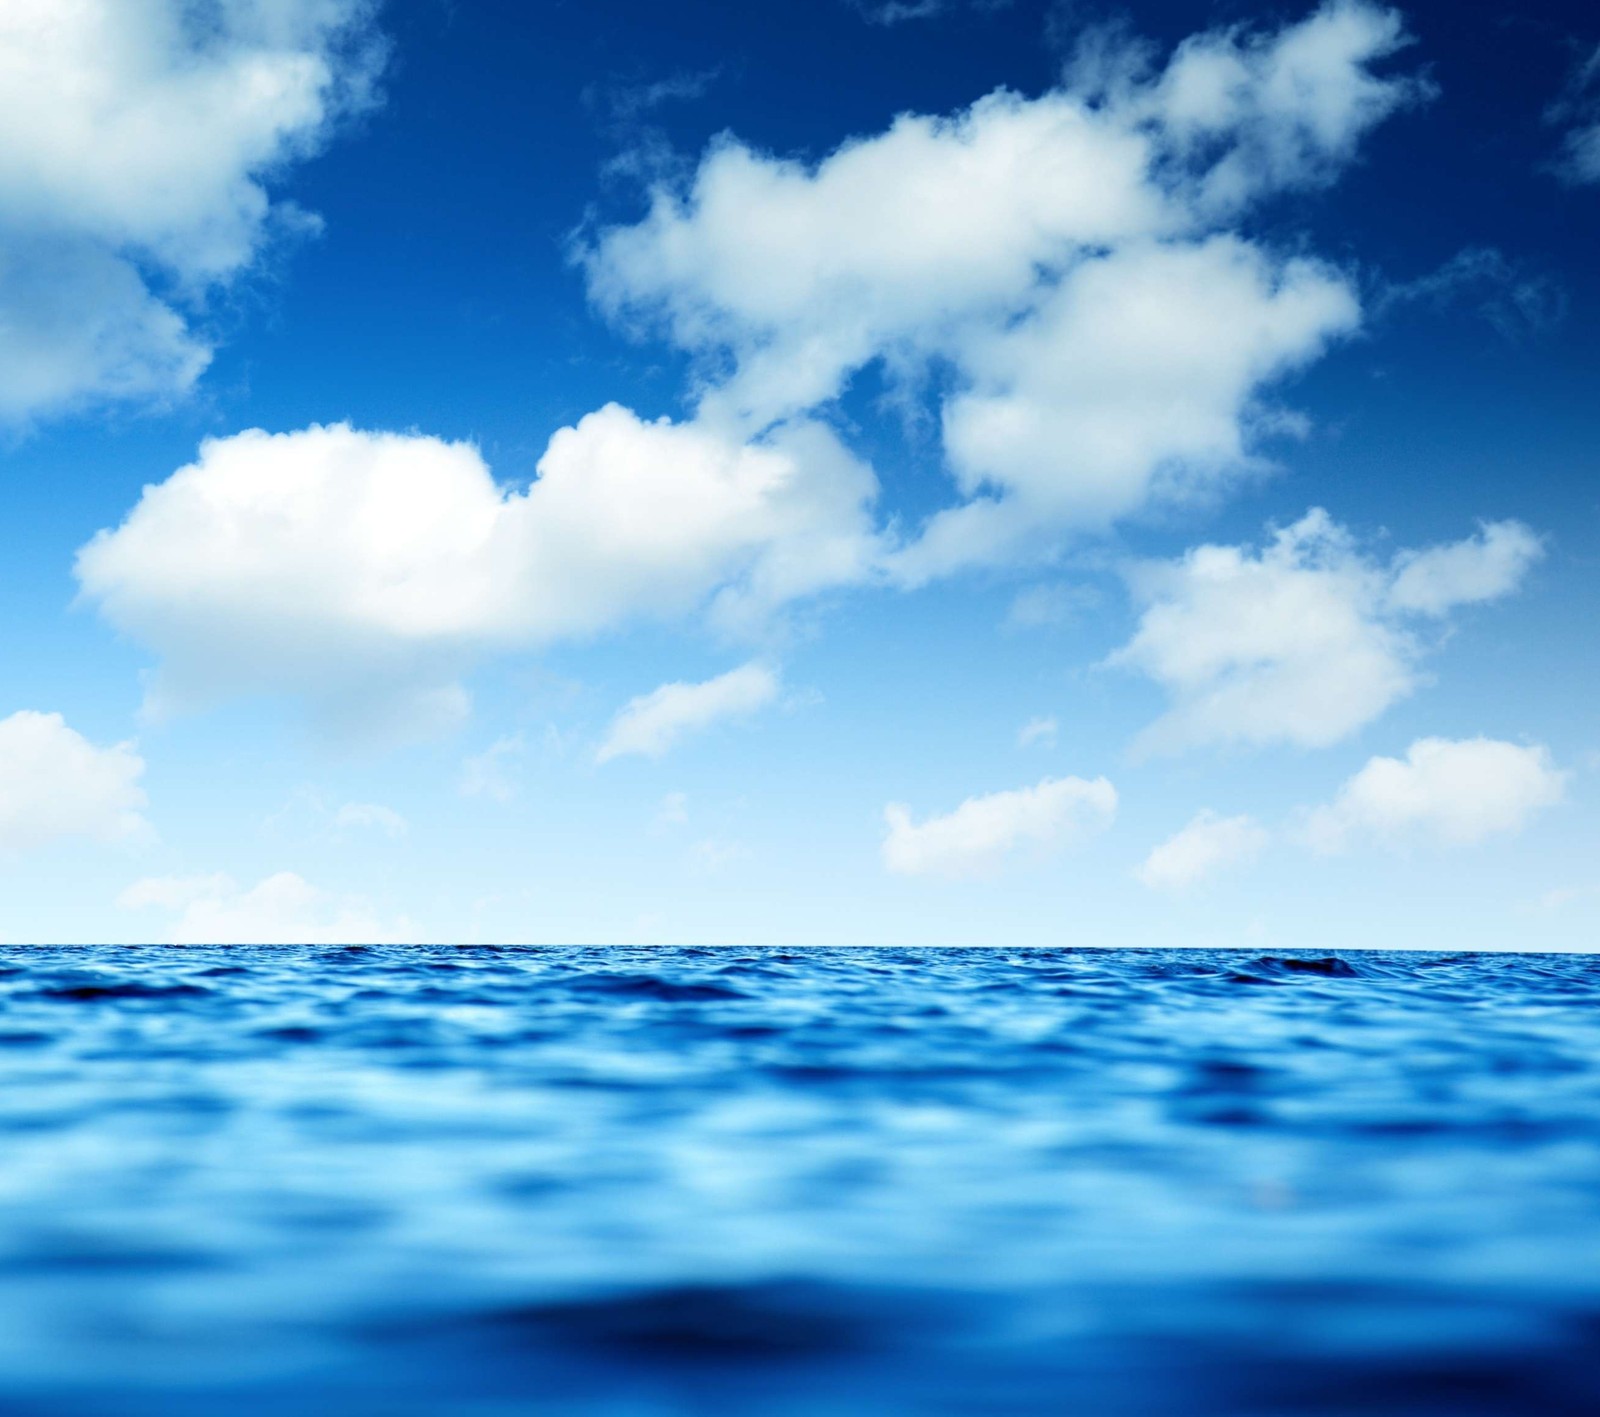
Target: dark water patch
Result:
[129, 989]
[291, 1033]
[1324, 967]
[1266, 969]
[68, 1254]
[649, 986]
[693, 1323]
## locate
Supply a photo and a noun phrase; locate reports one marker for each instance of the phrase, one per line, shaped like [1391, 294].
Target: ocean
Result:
[399, 1181]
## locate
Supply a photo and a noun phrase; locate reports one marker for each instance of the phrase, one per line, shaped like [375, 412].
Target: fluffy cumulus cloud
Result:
[976, 838]
[1131, 379]
[1444, 792]
[1071, 274]
[1207, 845]
[1076, 260]
[284, 909]
[55, 783]
[137, 142]
[653, 723]
[1306, 639]
[365, 570]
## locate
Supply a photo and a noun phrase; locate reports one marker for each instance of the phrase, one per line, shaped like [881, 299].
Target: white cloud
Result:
[975, 839]
[80, 323]
[628, 103]
[1208, 844]
[1447, 792]
[653, 723]
[711, 855]
[309, 815]
[1579, 109]
[366, 570]
[1138, 368]
[487, 774]
[1484, 567]
[896, 12]
[1284, 110]
[1306, 640]
[1564, 896]
[137, 140]
[371, 816]
[284, 909]
[1037, 730]
[55, 783]
[673, 811]
[1069, 256]
[1513, 296]
[1040, 606]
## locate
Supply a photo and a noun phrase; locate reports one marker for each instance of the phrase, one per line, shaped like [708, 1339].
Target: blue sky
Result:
[822, 473]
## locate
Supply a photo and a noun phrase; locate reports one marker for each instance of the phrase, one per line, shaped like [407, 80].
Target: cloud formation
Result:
[54, 783]
[1074, 258]
[1038, 730]
[975, 839]
[1445, 792]
[1514, 296]
[284, 909]
[1307, 639]
[897, 12]
[1208, 844]
[365, 571]
[371, 816]
[492, 772]
[138, 139]
[1075, 262]
[653, 723]
[1579, 111]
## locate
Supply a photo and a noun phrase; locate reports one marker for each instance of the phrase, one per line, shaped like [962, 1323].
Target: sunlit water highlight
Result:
[480, 1181]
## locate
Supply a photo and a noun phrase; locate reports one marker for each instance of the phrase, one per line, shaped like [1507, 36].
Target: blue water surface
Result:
[647, 1183]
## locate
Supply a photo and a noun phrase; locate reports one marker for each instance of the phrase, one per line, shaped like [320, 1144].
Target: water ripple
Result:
[406, 1181]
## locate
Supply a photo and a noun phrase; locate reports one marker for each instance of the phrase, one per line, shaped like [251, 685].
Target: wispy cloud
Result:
[895, 12]
[491, 773]
[1578, 112]
[1037, 731]
[1515, 299]
[977, 837]
[371, 816]
[653, 723]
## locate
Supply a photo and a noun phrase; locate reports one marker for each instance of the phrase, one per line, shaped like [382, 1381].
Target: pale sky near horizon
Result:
[825, 472]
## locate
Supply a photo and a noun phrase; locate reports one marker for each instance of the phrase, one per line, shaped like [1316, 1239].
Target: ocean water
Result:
[657, 1182]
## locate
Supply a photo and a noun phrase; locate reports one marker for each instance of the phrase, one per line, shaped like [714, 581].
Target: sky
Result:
[938, 472]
